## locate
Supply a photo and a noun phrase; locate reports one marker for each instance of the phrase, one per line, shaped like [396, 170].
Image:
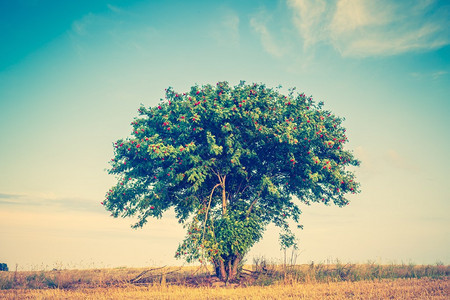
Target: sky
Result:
[74, 73]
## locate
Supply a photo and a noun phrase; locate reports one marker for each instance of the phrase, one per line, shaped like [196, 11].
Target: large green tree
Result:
[230, 160]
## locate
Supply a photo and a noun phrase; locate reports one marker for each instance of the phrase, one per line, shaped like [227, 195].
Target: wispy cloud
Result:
[80, 27]
[435, 75]
[231, 25]
[9, 196]
[258, 24]
[226, 31]
[371, 28]
[115, 9]
[363, 155]
[48, 201]
[308, 18]
[396, 160]
[438, 74]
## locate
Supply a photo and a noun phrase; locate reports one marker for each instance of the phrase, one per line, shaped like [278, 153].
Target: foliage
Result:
[3, 267]
[264, 271]
[211, 238]
[230, 160]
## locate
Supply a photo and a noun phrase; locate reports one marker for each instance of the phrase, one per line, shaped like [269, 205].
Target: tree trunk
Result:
[223, 271]
[227, 269]
[234, 269]
[220, 269]
[224, 197]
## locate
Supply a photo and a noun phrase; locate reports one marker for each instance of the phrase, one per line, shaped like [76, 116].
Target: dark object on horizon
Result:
[3, 267]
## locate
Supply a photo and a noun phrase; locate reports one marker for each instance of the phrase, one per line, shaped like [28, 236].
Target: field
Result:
[260, 281]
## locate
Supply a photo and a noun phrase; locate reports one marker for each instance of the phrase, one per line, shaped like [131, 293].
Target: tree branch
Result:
[207, 210]
[224, 196]
[253, 203]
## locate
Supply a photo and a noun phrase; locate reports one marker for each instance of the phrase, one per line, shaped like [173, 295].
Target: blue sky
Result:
[73, 74]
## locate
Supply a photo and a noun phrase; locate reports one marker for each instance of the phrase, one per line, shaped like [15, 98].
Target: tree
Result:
[230, 160]
[3, 267]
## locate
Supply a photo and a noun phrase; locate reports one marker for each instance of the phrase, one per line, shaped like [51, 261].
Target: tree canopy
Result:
[230, 160]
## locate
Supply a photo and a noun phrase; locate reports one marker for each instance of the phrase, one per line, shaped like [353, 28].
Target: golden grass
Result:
[267, 281]
[263, 275]
[89, 278]
[423, 288]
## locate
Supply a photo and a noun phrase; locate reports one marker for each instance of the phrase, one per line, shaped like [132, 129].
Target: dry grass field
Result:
[375, 289]
[261, 281]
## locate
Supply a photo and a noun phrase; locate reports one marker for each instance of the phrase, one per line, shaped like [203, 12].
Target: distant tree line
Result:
[3, 267]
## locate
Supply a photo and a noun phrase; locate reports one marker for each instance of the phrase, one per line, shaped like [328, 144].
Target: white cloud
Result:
[396, 160]
[49, 202]
[370, 28]
[258, 23]
[115, 9]
[351, 15]
[438, 74]
[231, 24]
[309, 17]
[80, 27]
[362, 154]
[435, 75]
[226, 32]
